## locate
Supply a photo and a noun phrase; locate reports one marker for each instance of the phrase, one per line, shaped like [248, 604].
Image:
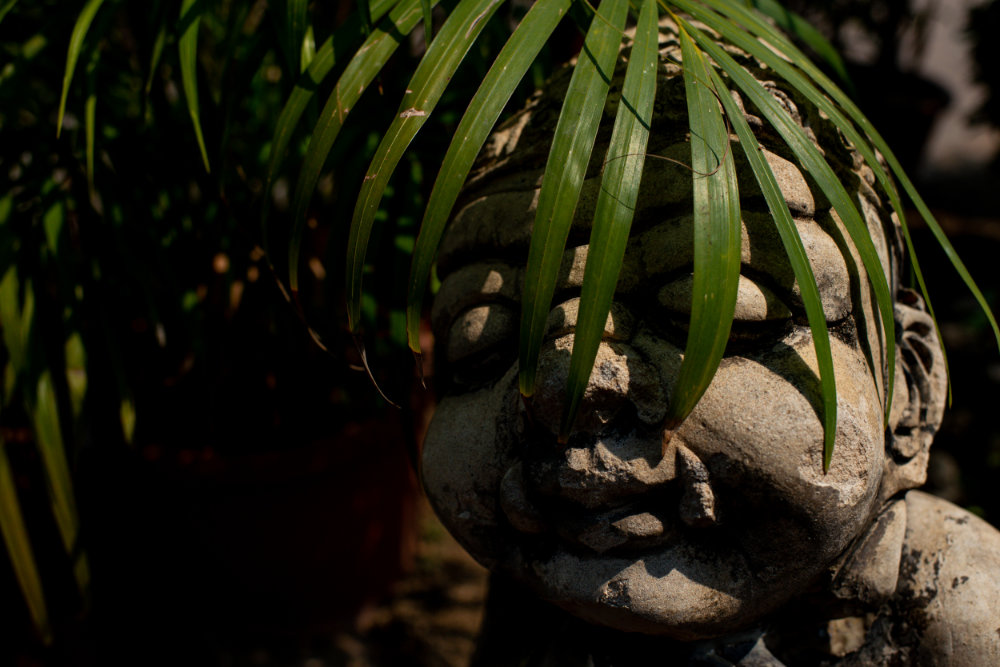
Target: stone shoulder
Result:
[949, 583]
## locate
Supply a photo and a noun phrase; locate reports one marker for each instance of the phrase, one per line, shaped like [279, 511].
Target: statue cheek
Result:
[464, 460]
[758, 427]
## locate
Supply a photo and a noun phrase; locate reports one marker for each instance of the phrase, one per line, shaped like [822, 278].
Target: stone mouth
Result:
[627, 529]
[621, 525]
[630, 492]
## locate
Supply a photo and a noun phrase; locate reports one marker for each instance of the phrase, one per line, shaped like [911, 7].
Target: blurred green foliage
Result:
[136, 303]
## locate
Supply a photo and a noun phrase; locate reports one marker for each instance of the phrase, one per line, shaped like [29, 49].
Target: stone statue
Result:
[732, 546]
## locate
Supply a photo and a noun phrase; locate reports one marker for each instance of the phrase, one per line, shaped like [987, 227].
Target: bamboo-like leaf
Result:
[507, 71]
[90, 119]
[365, 9]
[359, 73]
[433, 73]
[15, 537]
[16, 320]
[5, 8]
[126, 417]
[308, 50]
[296, 14]
[156, 54]
[187, 48]
[48, 435]
[716, 236]
[767, 32]
[425, 8]
[332, 51]
[813, 161]
[799, 261]
[83, 22]
[615, 208]
[76, 372]
[565, 170]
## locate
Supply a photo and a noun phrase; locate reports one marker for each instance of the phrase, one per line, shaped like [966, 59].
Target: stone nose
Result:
[622, 388]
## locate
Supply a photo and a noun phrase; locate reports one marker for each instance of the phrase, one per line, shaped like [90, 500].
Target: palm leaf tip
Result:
[493, 94]
[187, 47]
[80, 29]
[615, 208]
[717, 232]
[569, 155]
[424, 90]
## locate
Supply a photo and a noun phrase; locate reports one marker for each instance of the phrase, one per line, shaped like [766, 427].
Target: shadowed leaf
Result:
[716, 236]
[295, 29]
[155, 55]
[16, 319]
[90, 119]
[435, 70]
[83, 22]
[357, 76]
[5, 8]
[425, 9]
[15, 537]
[615, 208]
[572, 144]
[365, 10]
[76, 372]
[187, 47]
[496, 89]
[48, 434]
[332, 51]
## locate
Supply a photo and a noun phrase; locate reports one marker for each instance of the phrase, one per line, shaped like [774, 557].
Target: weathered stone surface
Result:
[730, 523]
[871, 573]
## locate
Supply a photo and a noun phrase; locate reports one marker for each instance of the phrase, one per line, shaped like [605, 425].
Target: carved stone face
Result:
[737, 516]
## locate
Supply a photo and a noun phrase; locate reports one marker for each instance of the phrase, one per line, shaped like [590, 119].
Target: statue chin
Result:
[674, 592]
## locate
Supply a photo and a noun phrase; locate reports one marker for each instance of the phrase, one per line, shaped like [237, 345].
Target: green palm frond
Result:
[510, 66]
[572, 144]
[615, 207]
[716, 235]
[756, 27]
[5, 8]
[83, 22]
[425, 88]
[382, 42]
[573, 140]
[15, 537]
[187, 47]
[333, 51]
[296, 25]
[797, 257]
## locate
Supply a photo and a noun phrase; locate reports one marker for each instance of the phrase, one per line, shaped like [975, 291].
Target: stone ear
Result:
[921, 388]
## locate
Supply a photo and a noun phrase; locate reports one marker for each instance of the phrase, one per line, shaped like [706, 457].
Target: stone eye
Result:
[758, 309]
[482, 342]
[754, 302]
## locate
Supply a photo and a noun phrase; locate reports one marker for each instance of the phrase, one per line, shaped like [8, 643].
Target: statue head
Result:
[736, 516]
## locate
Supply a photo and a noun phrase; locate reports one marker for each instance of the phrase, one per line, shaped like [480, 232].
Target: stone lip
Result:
[631, 524]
